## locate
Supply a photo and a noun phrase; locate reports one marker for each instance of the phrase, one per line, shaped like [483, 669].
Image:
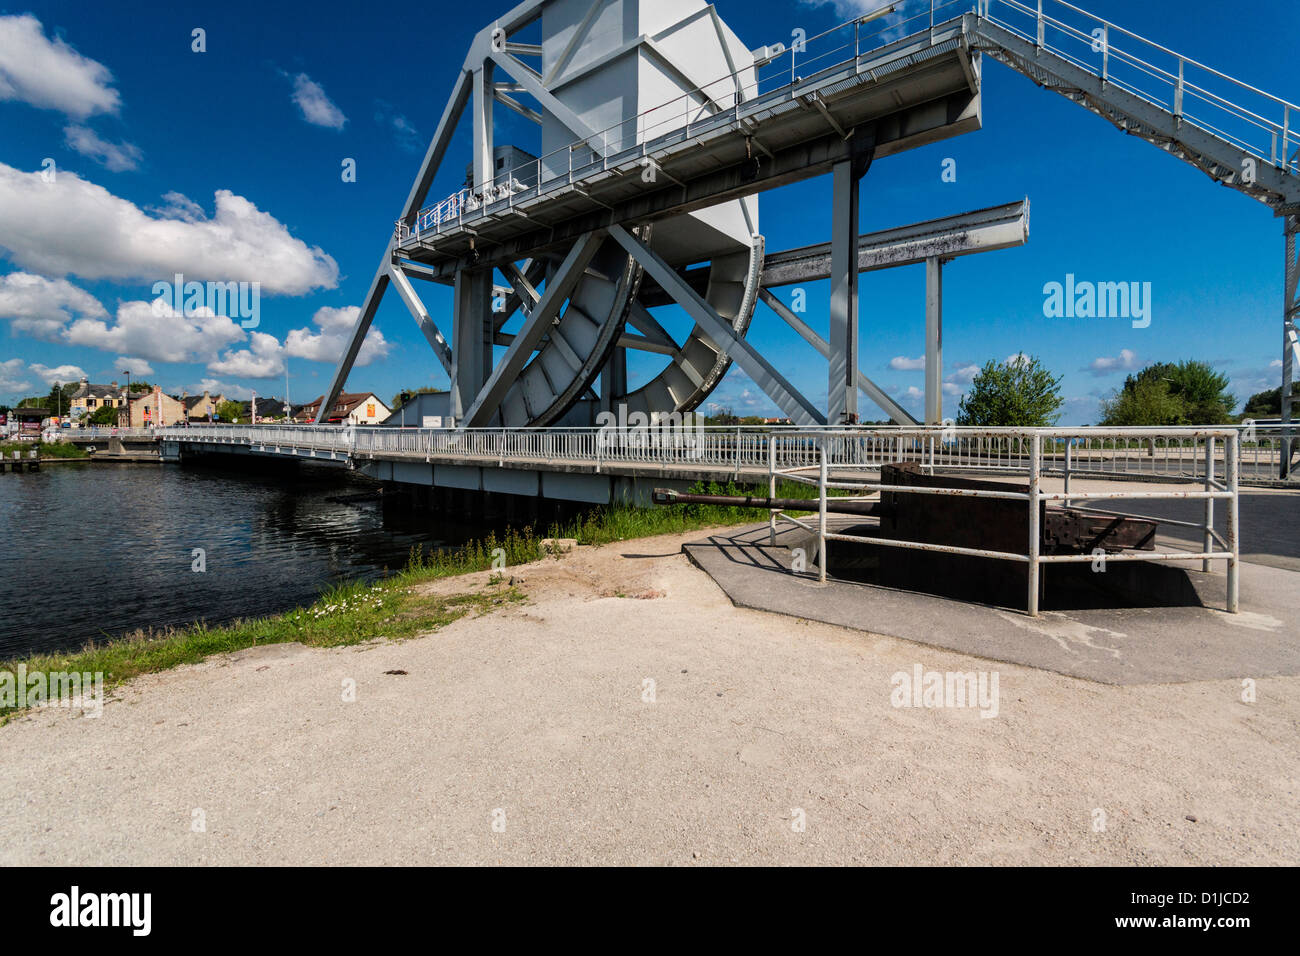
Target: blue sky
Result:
[227, 162]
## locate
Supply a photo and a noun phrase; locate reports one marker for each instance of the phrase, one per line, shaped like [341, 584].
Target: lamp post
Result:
[127, 373]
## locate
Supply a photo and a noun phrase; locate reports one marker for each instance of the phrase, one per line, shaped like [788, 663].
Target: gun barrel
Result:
[666, 496]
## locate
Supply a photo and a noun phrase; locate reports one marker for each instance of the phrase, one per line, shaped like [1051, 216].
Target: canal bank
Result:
[624, 711]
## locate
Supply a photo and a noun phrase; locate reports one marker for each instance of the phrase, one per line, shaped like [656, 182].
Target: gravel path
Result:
[524, 736]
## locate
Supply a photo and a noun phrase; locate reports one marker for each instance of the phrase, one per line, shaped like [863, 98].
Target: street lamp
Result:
[127, 373]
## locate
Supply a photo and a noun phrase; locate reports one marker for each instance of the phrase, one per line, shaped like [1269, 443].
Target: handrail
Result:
[677, 111]
[676, 114]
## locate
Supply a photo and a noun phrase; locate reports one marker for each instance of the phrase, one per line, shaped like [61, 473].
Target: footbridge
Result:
[624, 464]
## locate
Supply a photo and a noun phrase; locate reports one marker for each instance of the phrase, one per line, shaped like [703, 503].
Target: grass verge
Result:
[44, 449]
[391, 608]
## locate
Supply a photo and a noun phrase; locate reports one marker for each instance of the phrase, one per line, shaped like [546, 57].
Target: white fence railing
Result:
[1141, 453]
[1256, 122]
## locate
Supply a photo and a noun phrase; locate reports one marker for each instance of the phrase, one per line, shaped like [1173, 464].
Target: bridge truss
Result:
[590, 236]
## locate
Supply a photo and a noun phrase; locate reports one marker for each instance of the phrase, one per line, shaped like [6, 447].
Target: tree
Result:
[230, 412]
[1020, 392]
[104, 415]
[1186, 393]
[1269, 404]
[411, 393]
[1147, 402]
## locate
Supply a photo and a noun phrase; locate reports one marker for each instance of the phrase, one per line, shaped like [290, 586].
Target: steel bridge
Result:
[614, 217]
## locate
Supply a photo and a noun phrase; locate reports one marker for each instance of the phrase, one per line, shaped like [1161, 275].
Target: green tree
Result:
[230, 412]
[1020, 392]
[1147, 402]
[1185, 393]
[104, 415]
[412, 392]
[1269, 404]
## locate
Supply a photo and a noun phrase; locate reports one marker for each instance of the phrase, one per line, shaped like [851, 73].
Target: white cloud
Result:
[901, 363]
[327, 345]
[264, 359]
[41, 307]
[72, 226]
[214, 387]
[61, 374]
[404, 131]
[1019, 358]
[136, 365]
[1126, 361]
[115, 157]
[11, 377]
[964, 373]
[156, 333]
[316, 107]
[888, 27]
[49, 74]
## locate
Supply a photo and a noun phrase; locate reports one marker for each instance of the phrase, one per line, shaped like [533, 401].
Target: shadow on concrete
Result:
[1191, 640]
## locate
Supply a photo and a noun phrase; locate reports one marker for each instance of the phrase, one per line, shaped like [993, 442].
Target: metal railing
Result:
[105, 432]
[1168, 454]
[1265, 126]
[639, 136]
[1035, 453]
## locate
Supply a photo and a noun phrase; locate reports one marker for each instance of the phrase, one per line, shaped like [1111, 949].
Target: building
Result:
[352, 408]
[202, 408]
[88, 398]
[29, 421]
[422, 410]
[151, 410]
[268, 409]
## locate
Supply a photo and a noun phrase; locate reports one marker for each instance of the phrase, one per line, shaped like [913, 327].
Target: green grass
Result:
[44, 449]
[392, 608]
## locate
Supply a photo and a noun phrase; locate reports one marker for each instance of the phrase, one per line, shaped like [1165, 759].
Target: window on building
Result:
[370, 411]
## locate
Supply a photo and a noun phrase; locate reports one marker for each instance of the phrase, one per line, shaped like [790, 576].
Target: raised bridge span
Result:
[589, 235]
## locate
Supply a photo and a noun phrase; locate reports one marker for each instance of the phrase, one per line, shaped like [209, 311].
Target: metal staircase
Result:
[1236, 134]
[1239, 136]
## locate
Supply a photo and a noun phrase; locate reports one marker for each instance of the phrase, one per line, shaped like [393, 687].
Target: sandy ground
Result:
[525, 736]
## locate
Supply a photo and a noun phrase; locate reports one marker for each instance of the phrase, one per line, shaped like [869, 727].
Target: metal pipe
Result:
[771, 488]
[1234, 544]
[821, 521]
[1035, 448]
[1209, 503]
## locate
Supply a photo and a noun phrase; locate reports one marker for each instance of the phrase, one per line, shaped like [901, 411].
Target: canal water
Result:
[91, 551]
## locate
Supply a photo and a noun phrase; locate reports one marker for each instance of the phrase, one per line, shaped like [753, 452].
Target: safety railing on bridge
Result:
[719, 102]
[1265, 126]
[1168, 454]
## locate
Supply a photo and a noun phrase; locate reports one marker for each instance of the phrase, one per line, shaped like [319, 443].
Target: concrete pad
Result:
[1110, 646]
